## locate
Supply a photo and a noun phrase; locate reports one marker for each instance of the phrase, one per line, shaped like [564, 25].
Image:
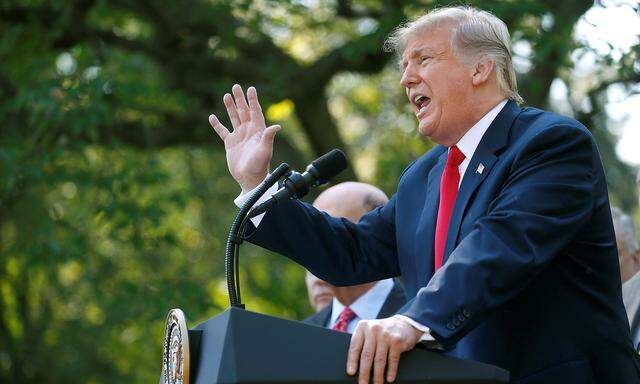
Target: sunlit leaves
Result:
[114, 198]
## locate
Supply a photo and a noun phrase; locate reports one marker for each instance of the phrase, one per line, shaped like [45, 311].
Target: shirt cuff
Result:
[427, 339]
[426, 336]
[243, 197]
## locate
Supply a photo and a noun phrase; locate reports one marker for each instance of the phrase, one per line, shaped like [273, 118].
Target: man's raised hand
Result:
[250, 146]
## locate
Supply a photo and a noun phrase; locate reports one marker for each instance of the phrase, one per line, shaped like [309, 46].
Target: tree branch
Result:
[344, 8]
[364, 55]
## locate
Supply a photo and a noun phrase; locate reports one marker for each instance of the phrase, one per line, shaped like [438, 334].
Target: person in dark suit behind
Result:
[502, 233]
[350, 304]
[381, 299]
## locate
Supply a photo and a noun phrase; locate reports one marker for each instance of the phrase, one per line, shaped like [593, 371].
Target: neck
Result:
[477, 109]
[347, 295]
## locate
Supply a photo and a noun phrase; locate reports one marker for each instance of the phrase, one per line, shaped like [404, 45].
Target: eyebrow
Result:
[414, 52]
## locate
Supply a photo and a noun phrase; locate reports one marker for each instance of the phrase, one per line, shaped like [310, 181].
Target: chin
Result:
[425, 129]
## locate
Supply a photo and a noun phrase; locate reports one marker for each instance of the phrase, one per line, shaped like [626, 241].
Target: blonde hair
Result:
[475, 34]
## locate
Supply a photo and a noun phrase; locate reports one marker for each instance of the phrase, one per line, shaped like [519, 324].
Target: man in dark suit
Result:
[502, 233]
[350, 304]
[383, 299]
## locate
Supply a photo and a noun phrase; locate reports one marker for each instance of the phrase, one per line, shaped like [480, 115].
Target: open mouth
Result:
[421, 102]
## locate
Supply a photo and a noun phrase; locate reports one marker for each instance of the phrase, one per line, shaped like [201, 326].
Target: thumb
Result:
[269, 134]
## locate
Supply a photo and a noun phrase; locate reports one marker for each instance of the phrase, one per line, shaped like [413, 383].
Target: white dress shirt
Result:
[467, 145]
[366, 307]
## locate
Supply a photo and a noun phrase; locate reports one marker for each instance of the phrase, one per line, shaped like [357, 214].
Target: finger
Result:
[269, 135]
[380, 362]
[392, 367]
[254, 106]
[366, 358]
[241, 103]
[220, 129]
[357, 341]
[232, 111]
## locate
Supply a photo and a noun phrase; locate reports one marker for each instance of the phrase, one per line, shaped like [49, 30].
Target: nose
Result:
[409, 77]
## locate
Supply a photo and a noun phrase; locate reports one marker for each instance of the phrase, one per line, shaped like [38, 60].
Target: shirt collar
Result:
[470, 141]
[367, 306]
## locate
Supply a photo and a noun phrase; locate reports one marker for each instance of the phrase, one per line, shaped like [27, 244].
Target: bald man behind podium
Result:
[349, 305]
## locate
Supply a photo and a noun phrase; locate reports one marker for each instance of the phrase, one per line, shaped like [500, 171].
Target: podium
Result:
[239, 346]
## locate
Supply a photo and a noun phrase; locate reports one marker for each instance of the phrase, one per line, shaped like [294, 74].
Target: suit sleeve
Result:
[545, 200]
[334, 249]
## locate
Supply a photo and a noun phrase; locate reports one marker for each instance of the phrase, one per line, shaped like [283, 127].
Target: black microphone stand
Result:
[232, 269]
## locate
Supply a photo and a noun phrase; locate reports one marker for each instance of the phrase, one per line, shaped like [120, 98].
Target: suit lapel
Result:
[484, 158]
[326, 316]
[320, 318]
[427, 224]
[471, 181]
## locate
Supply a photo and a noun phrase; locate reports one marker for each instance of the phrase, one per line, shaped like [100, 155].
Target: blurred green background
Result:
[115, 197]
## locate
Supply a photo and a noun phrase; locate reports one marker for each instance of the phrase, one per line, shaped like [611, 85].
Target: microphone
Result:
[296, 185]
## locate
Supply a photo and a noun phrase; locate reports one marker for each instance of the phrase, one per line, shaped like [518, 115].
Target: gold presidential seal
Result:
[175, 356]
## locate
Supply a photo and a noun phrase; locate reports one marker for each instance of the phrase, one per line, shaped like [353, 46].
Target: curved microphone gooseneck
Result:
[235, 239]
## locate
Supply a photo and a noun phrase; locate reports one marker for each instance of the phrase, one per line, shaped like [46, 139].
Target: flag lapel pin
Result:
[480, 168]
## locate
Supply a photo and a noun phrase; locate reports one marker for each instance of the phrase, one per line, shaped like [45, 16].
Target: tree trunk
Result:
[321, 129]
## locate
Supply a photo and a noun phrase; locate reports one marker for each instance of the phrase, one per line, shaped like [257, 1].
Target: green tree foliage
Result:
[114, 193]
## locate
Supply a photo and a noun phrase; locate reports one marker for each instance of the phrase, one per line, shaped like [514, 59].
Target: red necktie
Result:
[448, 193]
[344, 319]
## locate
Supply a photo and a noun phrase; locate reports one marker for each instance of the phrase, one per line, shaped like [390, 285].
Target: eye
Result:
[424, 59]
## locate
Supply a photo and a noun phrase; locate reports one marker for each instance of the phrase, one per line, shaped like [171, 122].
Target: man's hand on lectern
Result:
[376, 342]
[250, 146]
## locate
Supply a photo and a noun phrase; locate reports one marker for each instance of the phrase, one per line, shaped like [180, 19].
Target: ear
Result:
[483, 70]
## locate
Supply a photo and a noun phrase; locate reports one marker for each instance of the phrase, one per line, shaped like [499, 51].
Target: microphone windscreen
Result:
[329, 165]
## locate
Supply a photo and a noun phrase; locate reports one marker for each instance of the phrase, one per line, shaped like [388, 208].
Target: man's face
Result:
[437, 84]
[320, 292]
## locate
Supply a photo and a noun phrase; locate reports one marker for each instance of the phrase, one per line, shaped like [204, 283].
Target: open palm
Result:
[250, 146]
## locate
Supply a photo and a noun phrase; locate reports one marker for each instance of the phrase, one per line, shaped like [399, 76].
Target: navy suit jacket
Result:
[394, 301]
[530, 282]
